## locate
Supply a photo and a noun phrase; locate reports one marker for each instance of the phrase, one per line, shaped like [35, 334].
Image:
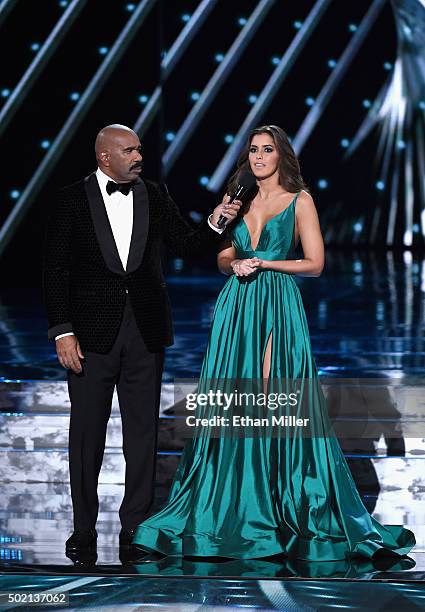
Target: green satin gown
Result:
[253, 497]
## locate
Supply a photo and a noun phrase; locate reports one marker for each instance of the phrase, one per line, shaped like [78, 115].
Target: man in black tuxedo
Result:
[109, 313]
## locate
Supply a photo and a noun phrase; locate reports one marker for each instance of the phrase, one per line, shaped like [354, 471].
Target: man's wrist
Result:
[219, 230]
[63, 335]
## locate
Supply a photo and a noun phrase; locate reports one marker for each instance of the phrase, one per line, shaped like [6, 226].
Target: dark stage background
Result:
[187, 74]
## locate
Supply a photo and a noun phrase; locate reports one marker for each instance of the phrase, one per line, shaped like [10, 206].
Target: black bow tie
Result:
[125, 188]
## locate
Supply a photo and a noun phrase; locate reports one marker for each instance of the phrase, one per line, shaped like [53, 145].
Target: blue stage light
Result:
[345, 143]
[169, 136]
[63, 3]
[5, 93]
[14, 194]
[331, 63]
[252, 99]
[229, 138]
[143, 99]
[185, 17]
[309, 101]
[219, 57]
[275, 60]
[74, 96]
[401, 144]
[45, 144]
[204, 180]
[35, 46]
[388, 65]
[322, 183]
[352, 27]
[422, 104]
[358, 227]
[103, 50]
[242, 21]
[130, 7]
[380, 185]
[415, 228]
[367, 103]
[297, 24]
[194, 96]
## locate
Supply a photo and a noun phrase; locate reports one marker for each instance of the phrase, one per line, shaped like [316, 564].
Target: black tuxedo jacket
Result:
[84, 282]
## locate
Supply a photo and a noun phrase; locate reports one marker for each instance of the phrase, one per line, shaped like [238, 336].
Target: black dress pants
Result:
[137, 375]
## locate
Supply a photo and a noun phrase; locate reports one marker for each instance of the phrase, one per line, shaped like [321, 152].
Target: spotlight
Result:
[194, 96]
[388, 65]
[130, 7]
[252, 99]
[219, 57]
[169, 136]
[228, 139]
[63, 3]
[297, 24]
[322, 183]
[345, 143]
[5, 93]
[275, 61]
[357, 227]
[401, 144]
[45, 144]
[309, 101]
[422, 104]
[185, 17]
[352, 27]
[103, 50]
[380, 185]
[242, 21]
[143, 99]
[204, 180]
[331, 63]
[367, 103]
[14, 194]
[35, 46]
[74, 96]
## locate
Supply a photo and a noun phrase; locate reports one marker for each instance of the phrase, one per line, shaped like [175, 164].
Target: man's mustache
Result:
[137, 165]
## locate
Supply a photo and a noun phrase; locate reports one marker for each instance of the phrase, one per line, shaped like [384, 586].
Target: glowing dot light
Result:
[345, 143]
[242, 21]
[252, 99]
[367, 103]
[130, 7]
[204, 180]
[415, 228]
[275, 60]
[194, 96]
[422, 105]
[35, 46]
[143, 99]
[74, 96]
[185, 17]
[169, 136]
[401, 144]
[103, 50]
[297, 24]
[45, 144]
[352, 27]
[388, 65]
[5, 93]
[309, 101]
[228, 138]
[63, 3]
[331, 63]
[380, 185]
[219, 57]
[322, 183]
[15, 194]
[358, 227]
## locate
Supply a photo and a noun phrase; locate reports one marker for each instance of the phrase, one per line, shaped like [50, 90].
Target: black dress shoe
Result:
[126, 537]
[82, 540]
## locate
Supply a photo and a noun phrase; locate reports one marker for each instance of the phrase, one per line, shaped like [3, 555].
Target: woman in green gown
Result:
[256, 495]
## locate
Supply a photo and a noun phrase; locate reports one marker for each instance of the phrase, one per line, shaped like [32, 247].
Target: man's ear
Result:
[104, 156]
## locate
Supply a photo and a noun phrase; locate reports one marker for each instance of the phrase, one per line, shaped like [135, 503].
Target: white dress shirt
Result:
[119, 208]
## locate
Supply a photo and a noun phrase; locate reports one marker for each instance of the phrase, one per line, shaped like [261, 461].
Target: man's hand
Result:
[229, 211]
[69, 353]
[244, 267]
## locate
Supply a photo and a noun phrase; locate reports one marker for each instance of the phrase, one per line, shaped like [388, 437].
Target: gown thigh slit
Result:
[256, 496]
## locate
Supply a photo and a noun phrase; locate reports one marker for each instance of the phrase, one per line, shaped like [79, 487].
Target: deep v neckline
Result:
[266, 224]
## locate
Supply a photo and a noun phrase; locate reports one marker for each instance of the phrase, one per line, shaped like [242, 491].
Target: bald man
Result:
[109, 314]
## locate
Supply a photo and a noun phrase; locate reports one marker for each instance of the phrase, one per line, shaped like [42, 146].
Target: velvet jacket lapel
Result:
[103, 228]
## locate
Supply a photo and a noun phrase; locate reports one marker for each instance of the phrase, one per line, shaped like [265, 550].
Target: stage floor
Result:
[366, 316]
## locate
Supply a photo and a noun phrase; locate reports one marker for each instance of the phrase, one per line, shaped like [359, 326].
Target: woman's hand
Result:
[244, 267]
[230, 211]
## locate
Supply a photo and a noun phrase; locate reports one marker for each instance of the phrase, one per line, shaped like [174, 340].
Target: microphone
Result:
[246, 182]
